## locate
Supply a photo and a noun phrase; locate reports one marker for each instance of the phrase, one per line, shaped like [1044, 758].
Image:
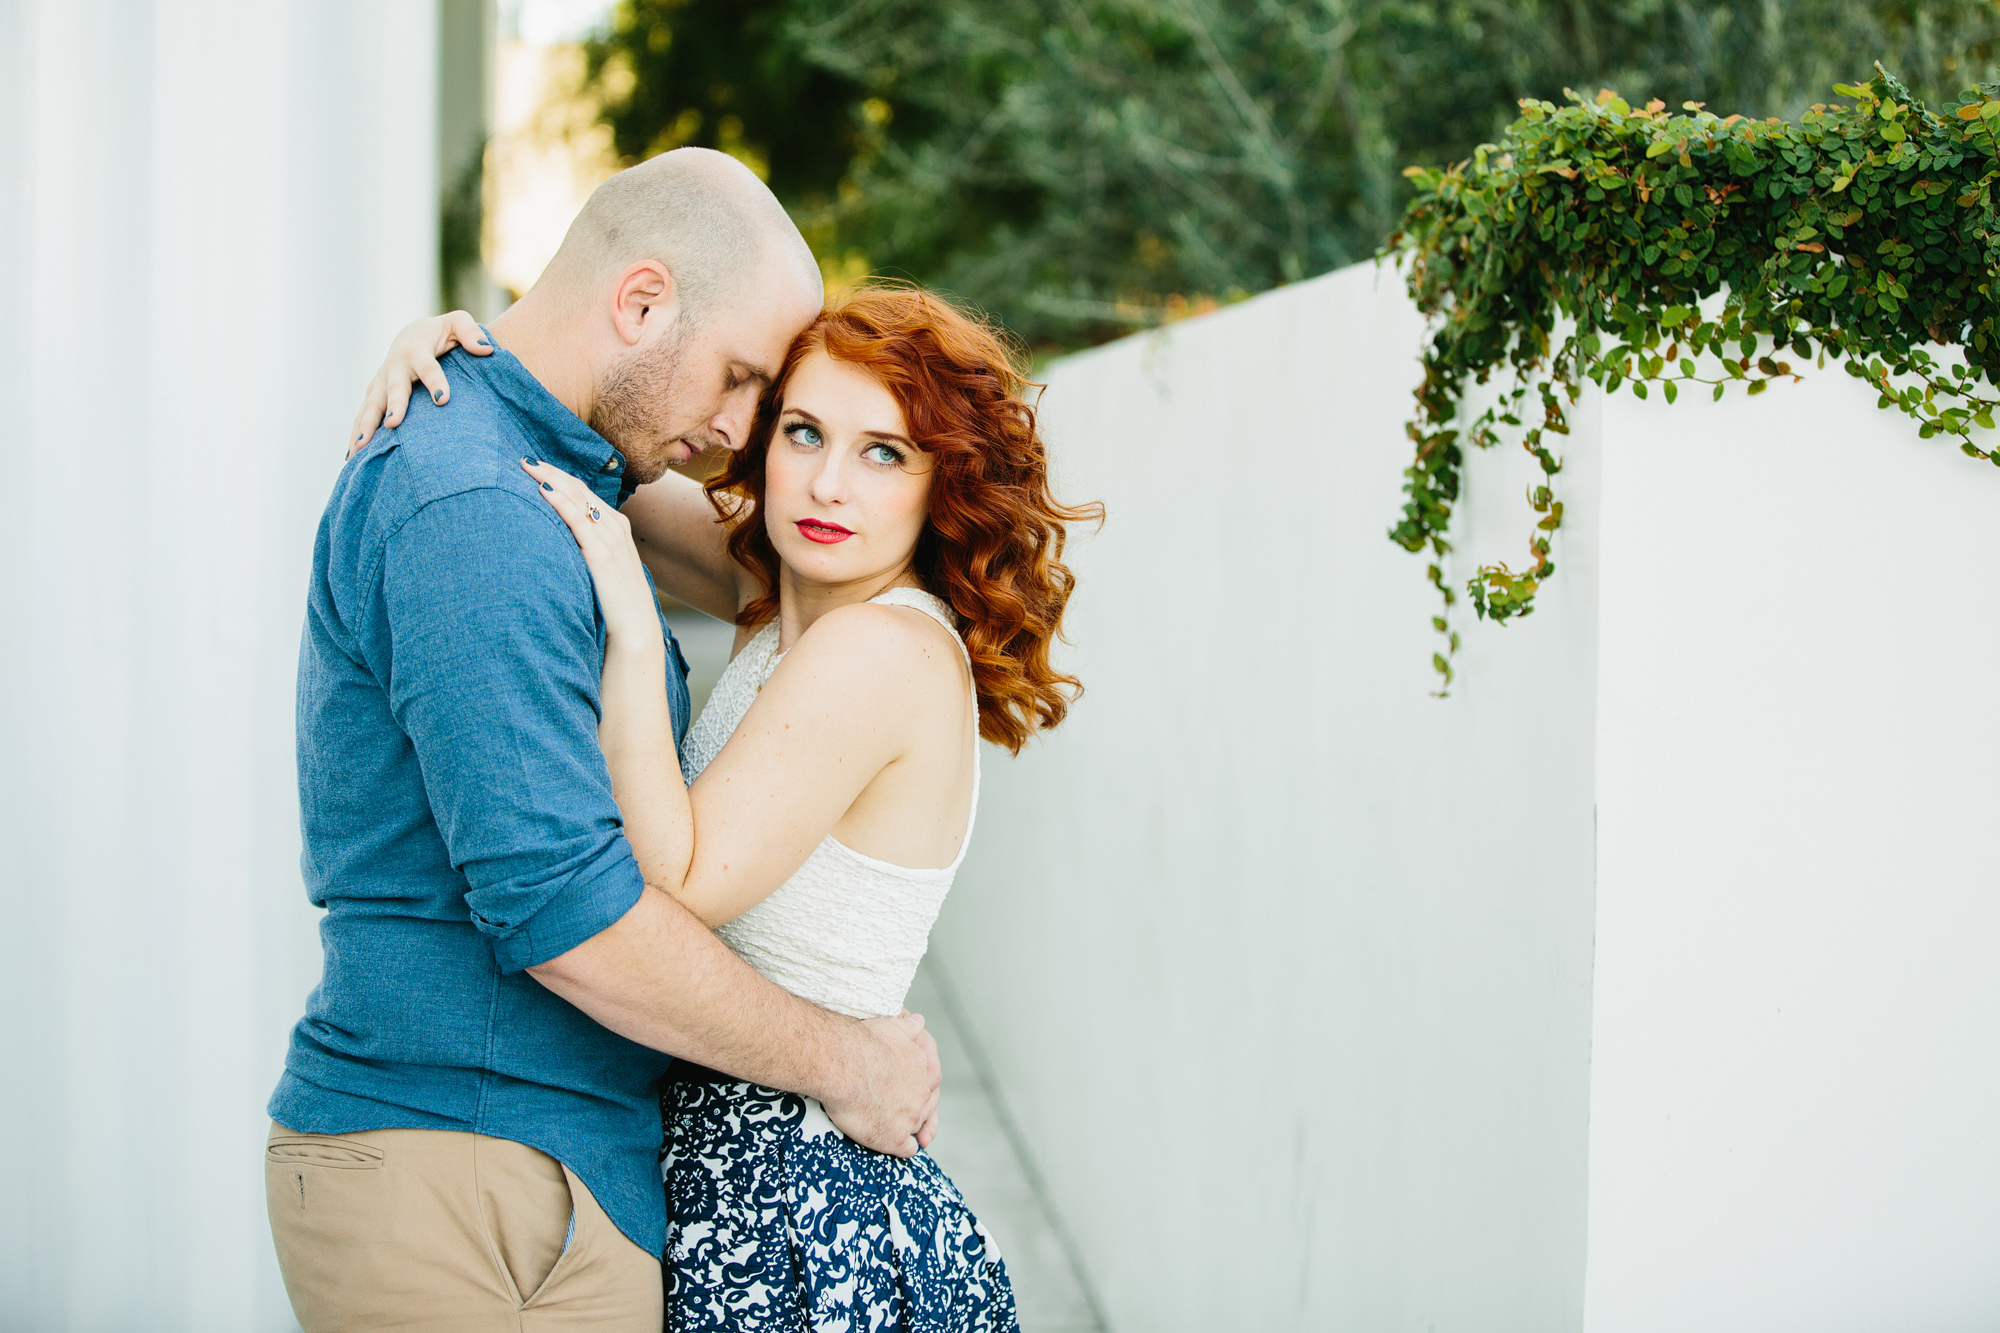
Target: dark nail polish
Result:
[547, 487]
[437, 397]
[484, 343]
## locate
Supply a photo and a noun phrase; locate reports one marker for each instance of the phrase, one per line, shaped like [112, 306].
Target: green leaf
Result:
[1818, 240]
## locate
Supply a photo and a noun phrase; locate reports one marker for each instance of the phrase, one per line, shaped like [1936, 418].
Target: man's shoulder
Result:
[468, 445]
[437, 451]
[460, 482]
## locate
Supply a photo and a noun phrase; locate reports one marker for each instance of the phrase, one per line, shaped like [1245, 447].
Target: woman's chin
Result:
[816, 563]
[832, 565]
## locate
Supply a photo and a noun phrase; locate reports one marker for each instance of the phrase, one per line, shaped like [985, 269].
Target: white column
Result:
[1795, 1081]
[217, 212]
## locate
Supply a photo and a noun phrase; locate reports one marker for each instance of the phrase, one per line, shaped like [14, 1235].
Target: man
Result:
[466, 1132]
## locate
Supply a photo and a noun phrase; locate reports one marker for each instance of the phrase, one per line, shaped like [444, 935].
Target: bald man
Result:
[466, 1135]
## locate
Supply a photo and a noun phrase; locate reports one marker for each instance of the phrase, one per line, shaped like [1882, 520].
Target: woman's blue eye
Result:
[881, 453]
[801, 433]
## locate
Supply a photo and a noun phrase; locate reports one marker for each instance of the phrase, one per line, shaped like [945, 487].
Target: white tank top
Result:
[846, 931]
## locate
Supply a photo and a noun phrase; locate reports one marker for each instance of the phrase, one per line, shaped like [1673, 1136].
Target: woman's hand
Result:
[631, 616]
[413, 355]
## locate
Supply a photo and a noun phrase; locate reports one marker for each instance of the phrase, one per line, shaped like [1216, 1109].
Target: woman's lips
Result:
[819, 530]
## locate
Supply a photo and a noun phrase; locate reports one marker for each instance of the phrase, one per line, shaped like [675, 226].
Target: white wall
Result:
[215, 213]
[1288, 969]
[1284, 964]
[1795, 1102]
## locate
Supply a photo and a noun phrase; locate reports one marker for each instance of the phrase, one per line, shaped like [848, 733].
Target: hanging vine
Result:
[1671, 251]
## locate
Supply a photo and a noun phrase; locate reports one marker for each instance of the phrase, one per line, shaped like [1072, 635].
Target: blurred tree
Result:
[728, 74]
[1084, 167]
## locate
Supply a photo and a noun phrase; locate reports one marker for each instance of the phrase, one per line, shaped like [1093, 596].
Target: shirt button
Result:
[612, 466]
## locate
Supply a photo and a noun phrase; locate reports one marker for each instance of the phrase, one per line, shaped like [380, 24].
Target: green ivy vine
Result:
[1864, 234]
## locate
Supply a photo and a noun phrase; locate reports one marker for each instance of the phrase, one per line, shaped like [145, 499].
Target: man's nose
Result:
[731, 426]
[727, 432]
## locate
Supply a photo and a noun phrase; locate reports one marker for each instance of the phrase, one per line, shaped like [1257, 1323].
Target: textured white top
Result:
[846, 931]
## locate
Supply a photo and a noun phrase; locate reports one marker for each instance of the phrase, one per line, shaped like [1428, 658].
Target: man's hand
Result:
[895, 1084]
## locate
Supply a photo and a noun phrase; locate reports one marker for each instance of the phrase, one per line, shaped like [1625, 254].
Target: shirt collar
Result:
[562, 437]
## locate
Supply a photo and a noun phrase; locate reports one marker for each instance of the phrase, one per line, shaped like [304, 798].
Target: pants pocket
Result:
[525, 1198]
[301, 1170]
[323, 1150]
[328, 1201]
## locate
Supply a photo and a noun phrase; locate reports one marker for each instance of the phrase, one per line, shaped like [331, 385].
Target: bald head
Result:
[718, 230]
[668, 309]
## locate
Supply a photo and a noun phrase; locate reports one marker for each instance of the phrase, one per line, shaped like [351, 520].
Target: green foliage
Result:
[730, 75]
[1082, 168]
[1629, 247]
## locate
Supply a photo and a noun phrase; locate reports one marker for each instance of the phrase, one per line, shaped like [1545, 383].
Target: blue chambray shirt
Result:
[457, 814]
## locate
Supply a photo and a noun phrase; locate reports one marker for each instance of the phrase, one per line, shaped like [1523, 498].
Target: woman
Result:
[888, 548]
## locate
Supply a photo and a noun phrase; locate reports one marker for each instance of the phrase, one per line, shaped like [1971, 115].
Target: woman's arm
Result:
[859, 692]
[413, 355]
[685, 545]
[847, 701]
[635, 726]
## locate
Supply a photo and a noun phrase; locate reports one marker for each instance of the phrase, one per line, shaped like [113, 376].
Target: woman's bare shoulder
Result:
[872, 647]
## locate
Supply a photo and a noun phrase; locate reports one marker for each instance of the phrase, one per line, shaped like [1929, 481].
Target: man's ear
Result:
[645, 293]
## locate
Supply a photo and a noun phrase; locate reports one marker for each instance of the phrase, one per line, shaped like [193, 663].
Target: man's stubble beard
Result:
[638, 399]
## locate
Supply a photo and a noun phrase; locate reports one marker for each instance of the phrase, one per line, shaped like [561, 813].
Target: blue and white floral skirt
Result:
[778, 1223]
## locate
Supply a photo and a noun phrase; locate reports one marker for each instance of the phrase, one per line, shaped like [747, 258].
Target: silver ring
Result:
[594, 514]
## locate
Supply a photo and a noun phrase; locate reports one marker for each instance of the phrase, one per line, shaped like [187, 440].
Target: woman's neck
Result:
[802, 601]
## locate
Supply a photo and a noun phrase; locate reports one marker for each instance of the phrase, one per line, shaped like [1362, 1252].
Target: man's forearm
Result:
[660, 978]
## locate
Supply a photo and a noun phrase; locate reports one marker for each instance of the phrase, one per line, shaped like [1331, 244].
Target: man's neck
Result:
[549, 347]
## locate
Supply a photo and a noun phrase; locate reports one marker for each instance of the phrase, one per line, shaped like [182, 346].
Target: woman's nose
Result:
[829, 479]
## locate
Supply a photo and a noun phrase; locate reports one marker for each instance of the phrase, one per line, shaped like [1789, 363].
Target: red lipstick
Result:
[821, 531]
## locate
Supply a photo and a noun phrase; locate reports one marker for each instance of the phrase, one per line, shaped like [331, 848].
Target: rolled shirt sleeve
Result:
[493, 652]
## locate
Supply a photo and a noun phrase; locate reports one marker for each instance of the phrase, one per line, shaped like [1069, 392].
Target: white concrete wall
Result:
[1795, 1099]
[215, 213]
[1284, 964]
[1288, 969]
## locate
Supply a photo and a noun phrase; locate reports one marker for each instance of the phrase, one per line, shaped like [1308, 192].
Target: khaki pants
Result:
[450, 1232]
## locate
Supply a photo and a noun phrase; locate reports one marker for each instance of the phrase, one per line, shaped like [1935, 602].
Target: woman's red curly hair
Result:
[993, 544]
